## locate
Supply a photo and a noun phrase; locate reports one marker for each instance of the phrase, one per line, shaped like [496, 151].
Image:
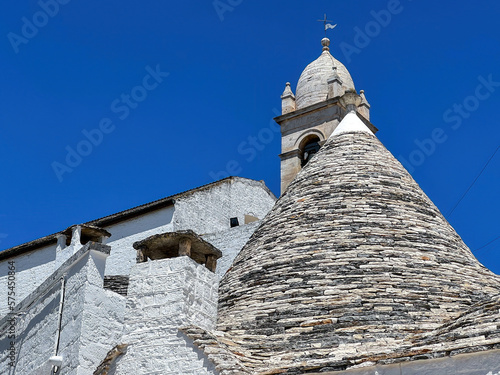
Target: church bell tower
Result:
[311, 115]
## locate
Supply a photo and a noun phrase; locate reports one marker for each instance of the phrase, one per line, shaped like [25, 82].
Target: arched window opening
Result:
[311, 146]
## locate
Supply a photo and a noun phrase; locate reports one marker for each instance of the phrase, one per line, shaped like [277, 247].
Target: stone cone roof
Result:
[353, 260]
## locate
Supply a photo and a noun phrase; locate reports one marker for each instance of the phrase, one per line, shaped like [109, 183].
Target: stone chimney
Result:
[172, 286]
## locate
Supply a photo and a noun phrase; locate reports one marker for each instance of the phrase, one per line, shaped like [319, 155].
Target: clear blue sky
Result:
[421, 69]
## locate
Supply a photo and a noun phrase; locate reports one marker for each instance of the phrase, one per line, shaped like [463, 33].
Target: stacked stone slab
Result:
[478, 329]
[352, 262]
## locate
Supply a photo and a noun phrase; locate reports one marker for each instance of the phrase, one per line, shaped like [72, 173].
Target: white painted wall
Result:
[209, 210]
[35, 339]
[31, 270]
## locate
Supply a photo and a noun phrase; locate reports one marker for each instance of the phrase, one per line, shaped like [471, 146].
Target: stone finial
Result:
[364, 107]
[350, 100]
[288, 91]
[334, 84]
[287, 100]
[325, 42]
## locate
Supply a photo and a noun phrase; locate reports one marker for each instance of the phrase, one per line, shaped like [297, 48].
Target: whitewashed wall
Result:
[205, 211]
[209, 210]
[31, 270]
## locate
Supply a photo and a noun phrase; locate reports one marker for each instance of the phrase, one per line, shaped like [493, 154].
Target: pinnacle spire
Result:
[288, 91]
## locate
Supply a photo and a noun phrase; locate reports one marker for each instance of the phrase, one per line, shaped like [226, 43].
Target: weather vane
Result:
[327, 25]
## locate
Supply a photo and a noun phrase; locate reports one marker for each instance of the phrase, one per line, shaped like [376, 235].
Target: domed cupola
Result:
[311, 115]
[313, 82]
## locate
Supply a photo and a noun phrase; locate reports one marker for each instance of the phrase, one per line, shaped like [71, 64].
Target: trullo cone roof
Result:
[352, 261]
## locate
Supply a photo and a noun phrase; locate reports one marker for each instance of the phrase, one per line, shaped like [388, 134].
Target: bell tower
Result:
[311, 114]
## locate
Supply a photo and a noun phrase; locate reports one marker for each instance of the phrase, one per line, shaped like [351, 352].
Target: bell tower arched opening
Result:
[309, 146]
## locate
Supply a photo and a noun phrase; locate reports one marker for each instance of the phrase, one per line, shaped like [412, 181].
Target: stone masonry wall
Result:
[206, 210]
[102, 322]
[94, 313]
[117, 284]
[35, 333]
[32, 269]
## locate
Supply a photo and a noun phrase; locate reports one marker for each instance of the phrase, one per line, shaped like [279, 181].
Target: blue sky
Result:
[108, 105]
